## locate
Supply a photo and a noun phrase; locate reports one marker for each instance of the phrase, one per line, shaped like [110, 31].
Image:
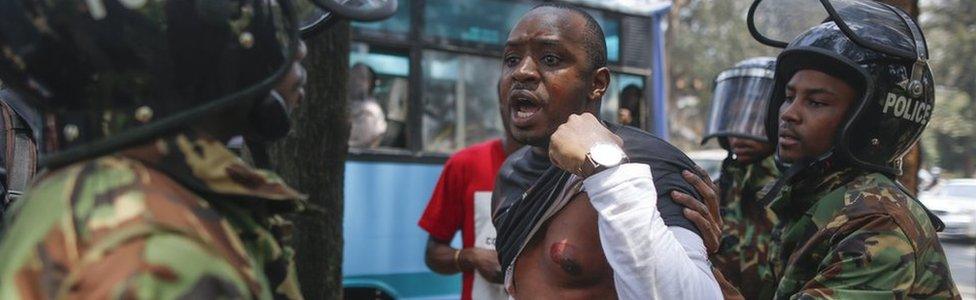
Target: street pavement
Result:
[962, 264]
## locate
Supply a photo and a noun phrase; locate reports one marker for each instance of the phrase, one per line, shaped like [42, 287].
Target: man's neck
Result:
[509, 145]
[755, 162]
[540, 151]
[544, 150]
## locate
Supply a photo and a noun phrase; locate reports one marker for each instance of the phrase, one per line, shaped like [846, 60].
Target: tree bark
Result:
[911, 6]
[910, 165]
[312, 159]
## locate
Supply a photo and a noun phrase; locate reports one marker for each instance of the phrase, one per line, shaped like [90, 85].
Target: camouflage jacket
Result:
[743, 257]
[856, 235]
[179, 217]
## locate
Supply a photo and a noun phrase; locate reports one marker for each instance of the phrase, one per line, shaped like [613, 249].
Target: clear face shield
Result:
[315, 15]
[868, 23]
[739, 104]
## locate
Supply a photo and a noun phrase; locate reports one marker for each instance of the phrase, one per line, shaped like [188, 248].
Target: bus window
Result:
[611, 32]
[625, 97]
[451, 21]
[460, 100]
[378, 97]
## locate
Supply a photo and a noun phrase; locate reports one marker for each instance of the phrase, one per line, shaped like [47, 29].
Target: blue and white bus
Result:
[437, 63]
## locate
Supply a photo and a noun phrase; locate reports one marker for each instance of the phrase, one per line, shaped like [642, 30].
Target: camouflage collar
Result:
[205, 165]
[800, 195]
[762, 174]
[760, 169]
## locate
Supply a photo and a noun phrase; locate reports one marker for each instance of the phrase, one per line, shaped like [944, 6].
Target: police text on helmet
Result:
[907, 108]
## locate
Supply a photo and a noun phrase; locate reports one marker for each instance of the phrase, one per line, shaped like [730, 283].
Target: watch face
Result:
[607, 154]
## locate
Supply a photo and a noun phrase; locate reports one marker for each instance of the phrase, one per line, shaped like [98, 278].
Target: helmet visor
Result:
[868, 23]
[739, 104]
[777, 22]
[315, 15]
[311, 18]
[880, 27]
[175, 63]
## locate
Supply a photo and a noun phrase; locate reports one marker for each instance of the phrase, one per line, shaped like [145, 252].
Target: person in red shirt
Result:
[462, 200]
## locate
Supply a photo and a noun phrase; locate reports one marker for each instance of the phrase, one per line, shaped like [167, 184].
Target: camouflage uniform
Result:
[856, 235]
[746, 228]
[179, 217]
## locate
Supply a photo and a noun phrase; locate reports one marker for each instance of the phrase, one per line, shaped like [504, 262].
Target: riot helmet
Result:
[108, 74]
[319, 14]
[876, 48]
[739, 102]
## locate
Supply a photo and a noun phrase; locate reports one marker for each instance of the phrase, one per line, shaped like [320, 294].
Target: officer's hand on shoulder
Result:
[705, 213]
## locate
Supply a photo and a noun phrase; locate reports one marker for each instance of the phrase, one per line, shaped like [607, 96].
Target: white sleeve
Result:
[376, 123]
[649, 259]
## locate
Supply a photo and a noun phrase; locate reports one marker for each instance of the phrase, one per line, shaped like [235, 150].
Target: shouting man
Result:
[575, 220]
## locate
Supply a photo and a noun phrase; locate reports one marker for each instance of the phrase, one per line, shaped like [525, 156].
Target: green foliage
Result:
[950, 28]
[948, 139]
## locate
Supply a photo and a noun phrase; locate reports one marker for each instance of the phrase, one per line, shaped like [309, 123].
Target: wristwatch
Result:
[601, 157]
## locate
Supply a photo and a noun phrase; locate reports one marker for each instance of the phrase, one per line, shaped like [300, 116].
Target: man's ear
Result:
[601, 81]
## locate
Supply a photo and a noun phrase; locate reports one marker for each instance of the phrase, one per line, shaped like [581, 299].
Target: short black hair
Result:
[631, 89]
[594, 40]
[372, 74]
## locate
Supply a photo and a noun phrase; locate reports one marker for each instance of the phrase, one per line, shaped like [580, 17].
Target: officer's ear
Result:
[601, 81]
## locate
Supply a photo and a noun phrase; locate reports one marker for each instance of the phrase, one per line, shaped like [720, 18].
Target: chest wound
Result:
[564, 255]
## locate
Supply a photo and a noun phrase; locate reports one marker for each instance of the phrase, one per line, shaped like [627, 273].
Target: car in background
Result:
[955, 203]
[710, 160]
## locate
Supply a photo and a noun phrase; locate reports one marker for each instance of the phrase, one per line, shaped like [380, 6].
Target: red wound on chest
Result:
[564, 254]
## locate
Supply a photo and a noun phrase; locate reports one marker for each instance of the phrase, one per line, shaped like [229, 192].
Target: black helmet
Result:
[880, 51]
[110, 73]
[739, 101]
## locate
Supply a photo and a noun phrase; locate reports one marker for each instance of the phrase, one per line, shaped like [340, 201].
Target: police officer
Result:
[141, 198]
[737, 121]
[851, 95]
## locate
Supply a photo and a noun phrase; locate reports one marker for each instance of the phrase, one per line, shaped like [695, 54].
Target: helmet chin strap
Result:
[270, 119]
[818, 165]
[725, 182]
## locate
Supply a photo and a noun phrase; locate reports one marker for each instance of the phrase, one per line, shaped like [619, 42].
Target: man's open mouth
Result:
[524, 107]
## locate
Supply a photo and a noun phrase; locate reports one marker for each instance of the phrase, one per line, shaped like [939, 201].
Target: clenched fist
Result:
[572, 141]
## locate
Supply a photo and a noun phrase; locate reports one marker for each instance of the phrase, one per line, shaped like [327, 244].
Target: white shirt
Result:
[649, 259]
[367, 123]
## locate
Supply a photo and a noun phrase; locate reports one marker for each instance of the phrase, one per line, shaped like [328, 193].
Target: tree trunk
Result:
[312, 159]
[910, 165]
[911, 6]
